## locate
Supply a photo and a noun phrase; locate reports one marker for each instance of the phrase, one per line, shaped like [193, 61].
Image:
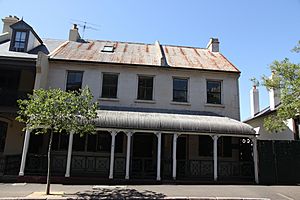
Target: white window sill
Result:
[215, 105]
[108, 99]
[180, 103]
[144, 101]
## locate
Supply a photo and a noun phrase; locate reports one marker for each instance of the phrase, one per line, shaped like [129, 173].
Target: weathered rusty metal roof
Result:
[144, 54]
[166, 122]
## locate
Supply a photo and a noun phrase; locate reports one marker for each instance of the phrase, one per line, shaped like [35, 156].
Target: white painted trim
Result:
[112, 153]
[175, 136]
[24, 153]
[172, 132]
[158, 177]
[215, 156]
[69, 156]
[129, 135]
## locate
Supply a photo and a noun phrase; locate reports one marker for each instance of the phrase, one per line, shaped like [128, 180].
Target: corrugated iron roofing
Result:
[143, 54]
[171, 122]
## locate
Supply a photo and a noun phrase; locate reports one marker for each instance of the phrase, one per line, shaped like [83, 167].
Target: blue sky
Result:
[252, 33]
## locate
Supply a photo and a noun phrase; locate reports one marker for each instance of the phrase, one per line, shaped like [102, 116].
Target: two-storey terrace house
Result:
[19, 62]
[165, 113]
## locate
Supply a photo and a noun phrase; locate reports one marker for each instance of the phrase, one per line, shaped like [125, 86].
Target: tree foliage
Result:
[286, 78]
[58, 110]
[54, 110]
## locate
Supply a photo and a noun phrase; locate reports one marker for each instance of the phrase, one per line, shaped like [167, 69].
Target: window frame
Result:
[13, 41]
[67, 76]
[187, 89]
[145, 88]
[116, 87]
[220, 93]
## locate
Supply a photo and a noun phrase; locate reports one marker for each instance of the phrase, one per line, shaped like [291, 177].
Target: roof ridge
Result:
[144, 43]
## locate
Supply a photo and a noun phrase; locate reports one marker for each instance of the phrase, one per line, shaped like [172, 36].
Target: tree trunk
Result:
[49, 164]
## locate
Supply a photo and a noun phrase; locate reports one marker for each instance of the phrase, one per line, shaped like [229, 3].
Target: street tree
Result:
[55, 110]
[285, 78]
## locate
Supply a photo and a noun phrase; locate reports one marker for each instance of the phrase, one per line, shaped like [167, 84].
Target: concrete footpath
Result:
[36, 191]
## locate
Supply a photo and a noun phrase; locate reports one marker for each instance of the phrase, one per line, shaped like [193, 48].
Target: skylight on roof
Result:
[108, 48]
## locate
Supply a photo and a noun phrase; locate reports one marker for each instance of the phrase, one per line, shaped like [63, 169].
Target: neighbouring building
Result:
[165, 113]
[278, 152]
[20, 50]
[257, 117]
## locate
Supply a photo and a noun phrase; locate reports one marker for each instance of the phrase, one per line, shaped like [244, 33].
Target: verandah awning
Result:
[171, 122]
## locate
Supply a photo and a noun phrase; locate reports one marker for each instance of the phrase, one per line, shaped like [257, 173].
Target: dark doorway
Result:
[167, 156]
[181, 156]
[144, 156]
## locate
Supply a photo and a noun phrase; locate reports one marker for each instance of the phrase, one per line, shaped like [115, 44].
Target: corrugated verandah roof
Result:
[143, 54]
[176, 123]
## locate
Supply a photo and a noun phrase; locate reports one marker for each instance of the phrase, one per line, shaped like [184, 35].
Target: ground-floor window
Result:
[225, 147]
[205, 145]
[98, 142]
[37, 143]
[60, 141]
[3, 130]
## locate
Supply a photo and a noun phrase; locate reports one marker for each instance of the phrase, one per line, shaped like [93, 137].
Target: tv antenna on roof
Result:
[86, 25]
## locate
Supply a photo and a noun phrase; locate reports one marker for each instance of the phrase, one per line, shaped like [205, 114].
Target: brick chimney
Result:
[7, 22]
[213, 45]
[254, 100]
[74, 34]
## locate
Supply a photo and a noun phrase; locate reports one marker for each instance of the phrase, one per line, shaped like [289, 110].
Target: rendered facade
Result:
[166, 113]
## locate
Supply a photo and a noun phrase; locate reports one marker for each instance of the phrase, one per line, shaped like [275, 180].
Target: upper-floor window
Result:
[214, 92]
[20, 41]
[109, 85]
[180, 89]
[74, 80]
[145, 88]
[3, 129]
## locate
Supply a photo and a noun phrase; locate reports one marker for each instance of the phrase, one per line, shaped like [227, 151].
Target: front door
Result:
[144, 156]
[181, 152]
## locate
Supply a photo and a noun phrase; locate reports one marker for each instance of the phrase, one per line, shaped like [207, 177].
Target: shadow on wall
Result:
[116, 193]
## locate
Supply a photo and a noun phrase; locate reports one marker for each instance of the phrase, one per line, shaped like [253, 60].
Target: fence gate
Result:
[279, 162]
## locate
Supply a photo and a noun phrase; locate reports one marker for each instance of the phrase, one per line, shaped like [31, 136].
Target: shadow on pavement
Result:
[116, 193]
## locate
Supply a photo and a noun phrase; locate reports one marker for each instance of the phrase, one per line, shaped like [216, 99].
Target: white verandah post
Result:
[158, 134]
[215, 138]
[112, 153]
[129, 134]
[24, 153]
[69, 156]
[175, 136]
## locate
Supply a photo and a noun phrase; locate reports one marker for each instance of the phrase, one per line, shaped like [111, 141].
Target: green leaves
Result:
[59, 110]
[286, 78]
